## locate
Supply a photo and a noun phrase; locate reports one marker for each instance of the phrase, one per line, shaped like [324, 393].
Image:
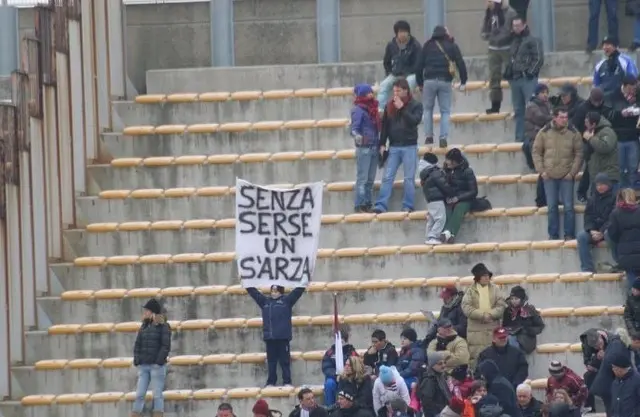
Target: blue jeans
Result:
[631, 277]
[387, 85]
[153, 375]
[628, 157]
[636, 30]
[330, 391]
[556, 190]
[278, 352]
[584, 250]
[408, 157]
[521, 91]
[441, 90]
[611, 7]
[366, 166]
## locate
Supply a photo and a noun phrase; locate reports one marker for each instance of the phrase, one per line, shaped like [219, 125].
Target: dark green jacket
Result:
[604, 159]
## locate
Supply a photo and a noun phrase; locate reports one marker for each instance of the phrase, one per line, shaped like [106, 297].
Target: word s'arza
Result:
[277, 234]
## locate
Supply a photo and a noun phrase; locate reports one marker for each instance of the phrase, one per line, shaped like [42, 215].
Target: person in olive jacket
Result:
[150, 352]
[462, 179]
[277, 329]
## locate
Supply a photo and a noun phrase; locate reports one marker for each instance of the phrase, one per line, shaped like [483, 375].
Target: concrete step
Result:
[136, 173]
[511, 191]
[143, 238]
[355, 297]
[205, 336]
[523, 257]
[202, 80]
[136, 144]
[246, 370]
[316, 103]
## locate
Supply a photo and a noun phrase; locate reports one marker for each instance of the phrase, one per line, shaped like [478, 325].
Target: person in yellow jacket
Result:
[447, 340]
[483, 304]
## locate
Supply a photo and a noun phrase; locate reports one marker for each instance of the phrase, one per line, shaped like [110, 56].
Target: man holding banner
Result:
[277, 234]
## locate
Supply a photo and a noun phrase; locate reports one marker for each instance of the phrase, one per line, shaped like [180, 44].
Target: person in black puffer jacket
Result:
[522, 320]
[500, 388]
[452, 310]
[435, 70]
[461, 177]
[436, 190]
[150, 352]
[624, 232]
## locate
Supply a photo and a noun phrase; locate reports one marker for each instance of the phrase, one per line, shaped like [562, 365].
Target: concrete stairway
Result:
[161, 223]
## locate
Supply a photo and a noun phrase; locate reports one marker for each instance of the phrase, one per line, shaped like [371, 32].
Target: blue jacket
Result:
[276, 313]
[616, 346]
[363, 125]
[329, 359]
[625, 395]
[411, 360]
[610, 71]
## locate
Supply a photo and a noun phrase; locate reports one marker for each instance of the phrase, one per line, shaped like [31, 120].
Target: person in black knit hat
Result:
[462, 179]
[150, 352]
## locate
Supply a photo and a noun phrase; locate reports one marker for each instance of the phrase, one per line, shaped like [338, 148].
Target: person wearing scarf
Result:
[624, 233]
[522, 321]
[365, 130]
[400, 121]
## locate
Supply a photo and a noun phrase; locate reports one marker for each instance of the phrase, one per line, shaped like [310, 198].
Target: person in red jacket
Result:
[561, 377]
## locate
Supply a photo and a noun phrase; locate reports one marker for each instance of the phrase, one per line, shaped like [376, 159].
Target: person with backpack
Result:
[436, 190]
[435, 70]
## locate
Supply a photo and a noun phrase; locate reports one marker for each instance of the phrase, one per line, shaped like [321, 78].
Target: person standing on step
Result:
[277, 329]
[611, 7]
[436, 68]
[557, 157]
[436, 190]
[521, 7]
[624, 233]
[365, 131]
[496, 29]
[625, 389]
[526, 60]
[150, 352]
[611, 70]
[399, 61]
[484, 305]
[400, 121]
[463, 180]
[536, 116]
[602, 143]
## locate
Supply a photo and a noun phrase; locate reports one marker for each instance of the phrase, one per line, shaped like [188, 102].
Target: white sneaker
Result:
[433, 242]
[446, 237]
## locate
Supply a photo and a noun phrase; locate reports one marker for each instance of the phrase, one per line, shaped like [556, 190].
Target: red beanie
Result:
[456, 405]
[261, 407]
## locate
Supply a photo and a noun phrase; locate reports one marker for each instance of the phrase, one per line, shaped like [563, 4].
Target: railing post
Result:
[115, 35]
[8, 39]
[77, 103]
[7, 123]
[102, 70]
[222, 33]
[435, 14]
[328, 30]
[543, 23]
[88, 82]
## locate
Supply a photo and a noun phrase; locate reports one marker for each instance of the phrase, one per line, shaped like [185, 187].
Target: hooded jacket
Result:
[463, 181]
[387, 356]
[399, 61]
[499, 387]
[452, 311]
[433, 64]
[617, 345]
[527, 56]
[410, 360]
[524, 322]
[558, 152]
[434, 183]
[276, 313]
[153, 342]
[599, 207]
[609, 72]
[586, 107]
[383, 395]
[624, 230]
[604, 152]
[536, 115]
[511, 362]
[589, 357]
[455, 346]
[329, 359]
[632, 314]
[496, 26]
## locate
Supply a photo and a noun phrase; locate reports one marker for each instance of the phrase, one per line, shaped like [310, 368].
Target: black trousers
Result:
[278, 353]
[520, 6]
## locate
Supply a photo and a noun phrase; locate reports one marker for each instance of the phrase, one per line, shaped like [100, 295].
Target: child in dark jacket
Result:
[365, 130]
[436, 190]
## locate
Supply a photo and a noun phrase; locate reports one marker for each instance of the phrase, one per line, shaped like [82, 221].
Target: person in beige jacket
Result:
[483, 304]
[447, 340]
[557, 157]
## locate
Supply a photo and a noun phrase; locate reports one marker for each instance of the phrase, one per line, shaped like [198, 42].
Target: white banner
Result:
[277, 234]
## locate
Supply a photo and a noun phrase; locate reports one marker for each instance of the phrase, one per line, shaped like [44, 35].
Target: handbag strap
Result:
[442, 50]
